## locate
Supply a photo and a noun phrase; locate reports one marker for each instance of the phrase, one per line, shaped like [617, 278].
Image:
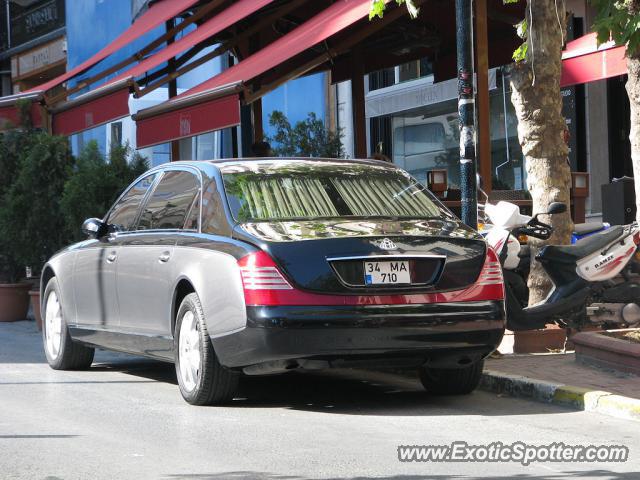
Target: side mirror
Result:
[94, 228]
[556, 207]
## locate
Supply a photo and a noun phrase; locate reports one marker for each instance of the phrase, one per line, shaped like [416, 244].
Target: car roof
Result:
[270, 160]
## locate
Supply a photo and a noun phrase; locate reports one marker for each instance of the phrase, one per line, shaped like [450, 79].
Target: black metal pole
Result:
[464, 41]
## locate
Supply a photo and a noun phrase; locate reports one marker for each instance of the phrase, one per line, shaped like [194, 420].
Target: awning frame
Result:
[154, 84]
[180, 103]
[121, 87]
[390, 16]
[225, 99]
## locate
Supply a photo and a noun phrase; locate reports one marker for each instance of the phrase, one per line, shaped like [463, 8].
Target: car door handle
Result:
[164, 257]
[111, 257]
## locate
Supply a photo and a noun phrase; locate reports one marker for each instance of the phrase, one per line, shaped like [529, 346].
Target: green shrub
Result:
[96, 183]
[31, 222]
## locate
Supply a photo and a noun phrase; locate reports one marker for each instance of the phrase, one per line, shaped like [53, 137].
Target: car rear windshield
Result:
[300, 190]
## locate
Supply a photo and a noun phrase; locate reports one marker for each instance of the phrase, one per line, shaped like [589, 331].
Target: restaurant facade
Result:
[189, 79]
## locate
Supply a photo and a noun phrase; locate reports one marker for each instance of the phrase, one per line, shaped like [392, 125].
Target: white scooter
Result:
[594, 279]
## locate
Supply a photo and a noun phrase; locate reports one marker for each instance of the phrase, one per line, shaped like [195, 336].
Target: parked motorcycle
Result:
[595, 279]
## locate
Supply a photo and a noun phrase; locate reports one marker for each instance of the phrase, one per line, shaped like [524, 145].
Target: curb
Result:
[577, 398]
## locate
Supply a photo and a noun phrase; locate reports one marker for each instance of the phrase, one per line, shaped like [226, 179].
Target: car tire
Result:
[451, 381]
[201, 377]
[61, 351]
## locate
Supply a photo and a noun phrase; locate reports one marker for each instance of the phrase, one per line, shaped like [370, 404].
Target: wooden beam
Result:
[343, 46]
[172, 92]
[256, 114]
[357, 101]
[140, 54]
[483, 147]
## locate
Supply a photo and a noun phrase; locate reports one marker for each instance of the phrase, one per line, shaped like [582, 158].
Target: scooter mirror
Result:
[556, 207]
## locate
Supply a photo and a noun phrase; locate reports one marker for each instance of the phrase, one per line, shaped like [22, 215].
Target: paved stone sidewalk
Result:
[562, 368]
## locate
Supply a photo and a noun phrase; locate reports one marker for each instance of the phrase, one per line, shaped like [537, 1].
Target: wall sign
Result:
[29, 23]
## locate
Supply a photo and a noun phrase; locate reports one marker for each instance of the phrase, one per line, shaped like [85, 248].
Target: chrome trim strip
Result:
[387, 257]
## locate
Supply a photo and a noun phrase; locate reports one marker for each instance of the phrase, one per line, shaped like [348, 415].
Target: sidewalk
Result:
[557, 378]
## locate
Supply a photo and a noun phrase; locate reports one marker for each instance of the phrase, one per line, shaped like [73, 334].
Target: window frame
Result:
[142, 202]
[183, 168]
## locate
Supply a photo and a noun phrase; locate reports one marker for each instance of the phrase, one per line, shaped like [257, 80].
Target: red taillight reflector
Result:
[259, 272]
[491, 273]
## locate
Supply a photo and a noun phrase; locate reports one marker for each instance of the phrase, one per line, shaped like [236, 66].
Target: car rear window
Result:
[300, 190]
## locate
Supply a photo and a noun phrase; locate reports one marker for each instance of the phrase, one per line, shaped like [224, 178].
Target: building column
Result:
[483, 132]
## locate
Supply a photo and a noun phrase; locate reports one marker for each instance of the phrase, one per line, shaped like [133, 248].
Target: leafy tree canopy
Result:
[618, 20]
[97, 182]
[308, 138]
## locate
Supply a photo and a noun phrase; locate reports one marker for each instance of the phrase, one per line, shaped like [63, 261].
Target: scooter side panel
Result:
[598, 267]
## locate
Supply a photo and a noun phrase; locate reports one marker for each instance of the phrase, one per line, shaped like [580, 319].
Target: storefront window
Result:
[415, 69]
[428, 139]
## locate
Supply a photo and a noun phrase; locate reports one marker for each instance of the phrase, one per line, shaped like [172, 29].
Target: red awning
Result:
[212, 110]
[92, 109]
[584, 61]
[166, 124]
[9, 115]
[157, 14]
[111, 101]
[221, 21]
[330, 21]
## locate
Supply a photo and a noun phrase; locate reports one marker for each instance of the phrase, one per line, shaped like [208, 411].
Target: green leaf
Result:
[520, 55]
[378, 6]
[522, 28]
[377, 9]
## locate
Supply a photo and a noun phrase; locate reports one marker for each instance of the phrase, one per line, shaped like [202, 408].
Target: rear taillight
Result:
[491, 273]
[259, 272]
[265, 285]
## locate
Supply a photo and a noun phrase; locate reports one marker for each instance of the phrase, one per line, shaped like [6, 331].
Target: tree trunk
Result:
[633, 91]
[536, 97]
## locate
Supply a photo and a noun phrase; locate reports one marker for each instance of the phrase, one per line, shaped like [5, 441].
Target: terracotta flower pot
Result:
[35, 305]
[14, 301]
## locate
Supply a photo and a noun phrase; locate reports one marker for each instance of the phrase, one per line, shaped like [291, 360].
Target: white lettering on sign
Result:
[41, 57]
[88, 119]
[185, 125]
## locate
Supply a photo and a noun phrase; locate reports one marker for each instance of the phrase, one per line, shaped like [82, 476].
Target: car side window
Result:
[212, 211]
[193, 216]
[124, 213]
[170, 202]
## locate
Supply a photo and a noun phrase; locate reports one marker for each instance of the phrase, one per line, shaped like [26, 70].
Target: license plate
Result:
[386, 273]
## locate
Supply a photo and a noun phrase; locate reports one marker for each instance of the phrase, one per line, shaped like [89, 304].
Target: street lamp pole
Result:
[466, 102]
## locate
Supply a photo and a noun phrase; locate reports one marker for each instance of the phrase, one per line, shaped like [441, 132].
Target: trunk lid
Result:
[328, 256]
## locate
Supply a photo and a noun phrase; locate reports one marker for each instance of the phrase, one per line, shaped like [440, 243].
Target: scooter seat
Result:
[584, 228]
[580, 249]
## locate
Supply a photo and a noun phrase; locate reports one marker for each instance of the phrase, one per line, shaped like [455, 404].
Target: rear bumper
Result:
[446, 335]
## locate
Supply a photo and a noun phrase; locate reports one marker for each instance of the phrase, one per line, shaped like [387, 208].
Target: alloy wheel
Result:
[189, 350]
[53, 325]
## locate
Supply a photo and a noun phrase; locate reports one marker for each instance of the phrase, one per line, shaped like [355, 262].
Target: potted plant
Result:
[31, 223]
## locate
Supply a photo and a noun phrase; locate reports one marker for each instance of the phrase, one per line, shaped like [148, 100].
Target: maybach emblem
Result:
[387, 244]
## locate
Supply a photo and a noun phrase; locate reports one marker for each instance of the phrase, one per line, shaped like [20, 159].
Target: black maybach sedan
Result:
[262, 266]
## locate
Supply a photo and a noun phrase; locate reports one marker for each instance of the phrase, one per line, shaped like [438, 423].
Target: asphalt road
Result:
[125, 418]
